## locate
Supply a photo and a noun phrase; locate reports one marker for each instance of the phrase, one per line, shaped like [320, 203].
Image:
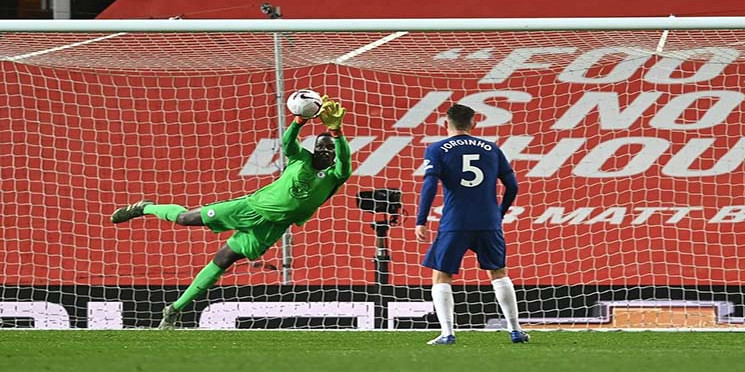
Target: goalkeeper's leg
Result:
[249, 244]
[176, 213]
[224, 258]
[169, 212]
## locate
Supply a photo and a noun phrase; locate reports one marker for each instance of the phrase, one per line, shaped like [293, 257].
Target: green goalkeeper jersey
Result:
[301, 189]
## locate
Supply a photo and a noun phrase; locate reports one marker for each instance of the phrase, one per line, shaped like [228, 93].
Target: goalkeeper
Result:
[261, 218]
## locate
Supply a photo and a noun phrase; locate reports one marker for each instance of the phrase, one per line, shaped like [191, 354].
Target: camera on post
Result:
[380, 201]
[386, 201]
[271, 11]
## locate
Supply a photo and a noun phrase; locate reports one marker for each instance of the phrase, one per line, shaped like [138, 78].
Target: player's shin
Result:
[204, 280]
[442, 296]
[507, 301]
[168, 212]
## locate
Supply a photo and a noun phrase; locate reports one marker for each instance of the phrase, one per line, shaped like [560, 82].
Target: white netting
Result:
[629, 154]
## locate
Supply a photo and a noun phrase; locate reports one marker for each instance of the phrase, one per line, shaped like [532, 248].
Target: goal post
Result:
[626, 135]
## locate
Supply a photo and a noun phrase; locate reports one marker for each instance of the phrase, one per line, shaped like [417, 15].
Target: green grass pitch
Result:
[298, 351]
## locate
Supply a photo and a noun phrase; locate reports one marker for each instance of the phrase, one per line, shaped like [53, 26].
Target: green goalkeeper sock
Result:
[204, 280]
[168, 212]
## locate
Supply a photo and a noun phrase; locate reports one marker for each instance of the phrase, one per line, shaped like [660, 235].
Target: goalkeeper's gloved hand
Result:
[331, 115]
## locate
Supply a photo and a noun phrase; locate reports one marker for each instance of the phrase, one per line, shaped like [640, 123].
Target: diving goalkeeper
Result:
[261, 218]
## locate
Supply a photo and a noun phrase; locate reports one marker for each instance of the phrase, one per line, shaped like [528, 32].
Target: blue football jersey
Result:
[468, 168]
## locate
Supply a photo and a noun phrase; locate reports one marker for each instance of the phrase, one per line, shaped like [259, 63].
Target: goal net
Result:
[628, 147]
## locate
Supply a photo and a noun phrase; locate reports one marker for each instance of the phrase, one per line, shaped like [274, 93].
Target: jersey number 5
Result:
[478, 175]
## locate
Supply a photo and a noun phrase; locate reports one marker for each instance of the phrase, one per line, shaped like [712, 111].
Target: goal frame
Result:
[278, 26]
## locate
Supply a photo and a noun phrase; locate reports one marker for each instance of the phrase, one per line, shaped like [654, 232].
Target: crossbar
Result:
[373, 25]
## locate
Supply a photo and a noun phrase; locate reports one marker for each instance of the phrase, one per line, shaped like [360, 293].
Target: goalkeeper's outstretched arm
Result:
[290, 144]
[343, 157]
[332, 115]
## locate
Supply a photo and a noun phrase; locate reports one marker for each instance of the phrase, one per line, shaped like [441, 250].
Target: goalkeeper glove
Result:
[331, 115]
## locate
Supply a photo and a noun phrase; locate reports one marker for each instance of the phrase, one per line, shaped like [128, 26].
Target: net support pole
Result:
[280, 95]
[382, 258]
[381, 288]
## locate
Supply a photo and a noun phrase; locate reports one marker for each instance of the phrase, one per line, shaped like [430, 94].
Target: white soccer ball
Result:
[305, 103]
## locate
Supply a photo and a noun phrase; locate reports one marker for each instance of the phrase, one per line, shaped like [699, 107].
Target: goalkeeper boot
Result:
[443, 340]
[170, 317]
[131, 211]
[519, 337]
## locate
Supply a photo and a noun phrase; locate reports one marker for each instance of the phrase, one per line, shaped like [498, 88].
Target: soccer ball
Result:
[305, 103]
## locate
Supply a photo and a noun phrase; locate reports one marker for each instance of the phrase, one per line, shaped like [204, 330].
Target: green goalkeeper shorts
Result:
[253, 235]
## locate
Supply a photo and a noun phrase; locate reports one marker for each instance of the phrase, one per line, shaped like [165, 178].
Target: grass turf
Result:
[297, 351]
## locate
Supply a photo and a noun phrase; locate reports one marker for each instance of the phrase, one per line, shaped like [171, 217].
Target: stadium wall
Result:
[322, 9]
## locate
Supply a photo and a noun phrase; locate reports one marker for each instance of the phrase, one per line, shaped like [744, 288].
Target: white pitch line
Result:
[56, 49]
[370, 46]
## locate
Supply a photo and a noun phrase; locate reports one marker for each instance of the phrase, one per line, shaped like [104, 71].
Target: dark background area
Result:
[474, 305]
[42, 9]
